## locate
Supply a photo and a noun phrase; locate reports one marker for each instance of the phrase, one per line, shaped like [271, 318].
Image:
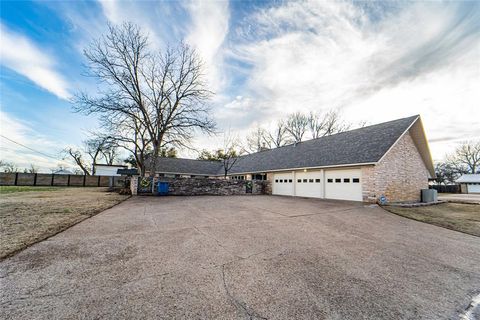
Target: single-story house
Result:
[390, 159]
[469, 183]
[108, 169]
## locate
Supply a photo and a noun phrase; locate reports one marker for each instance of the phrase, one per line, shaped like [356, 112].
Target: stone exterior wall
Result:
[369, 193]
[199, 186]
[399, 176]
[134, 185]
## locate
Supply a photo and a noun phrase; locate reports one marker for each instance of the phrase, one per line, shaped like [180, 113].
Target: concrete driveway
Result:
[244, 257]
[460, 197]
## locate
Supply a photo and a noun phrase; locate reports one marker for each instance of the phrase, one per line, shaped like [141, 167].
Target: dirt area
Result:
[13, 189]
[456, 216]
[29, 214]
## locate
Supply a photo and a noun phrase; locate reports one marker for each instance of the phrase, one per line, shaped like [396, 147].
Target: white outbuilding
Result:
[108, 170]
[469, 183]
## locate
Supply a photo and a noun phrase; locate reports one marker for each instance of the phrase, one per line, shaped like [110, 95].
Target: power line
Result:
[39, 152]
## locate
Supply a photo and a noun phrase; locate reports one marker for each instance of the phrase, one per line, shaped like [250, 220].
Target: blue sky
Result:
[373, 61]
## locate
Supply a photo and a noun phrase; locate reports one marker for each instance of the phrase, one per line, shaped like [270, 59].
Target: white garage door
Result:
[283, 184]
[309, 184]
[474, 188]
[343, 184]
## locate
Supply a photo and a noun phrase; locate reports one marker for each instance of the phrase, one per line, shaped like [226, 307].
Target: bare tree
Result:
[326, 124]
[94, 149]
[33, 169]
[131, 136]
[278, 137]
[257, 140]
[8, 167]
[79, 159]
[466, 158]
[97, 149]
[228, 155]
[296, 126]
[161, 96]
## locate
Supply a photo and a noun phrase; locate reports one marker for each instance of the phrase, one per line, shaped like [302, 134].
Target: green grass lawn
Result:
[12, 189]
[456, 216]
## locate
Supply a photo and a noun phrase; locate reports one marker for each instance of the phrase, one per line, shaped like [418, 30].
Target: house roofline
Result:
[110, 165]
[275, 170]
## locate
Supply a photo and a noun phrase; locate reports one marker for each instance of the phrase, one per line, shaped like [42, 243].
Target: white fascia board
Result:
[309, 168]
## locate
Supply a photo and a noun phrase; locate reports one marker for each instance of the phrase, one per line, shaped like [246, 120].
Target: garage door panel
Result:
[343, 184]
[309, 184]
[473, 188]
[283, 184]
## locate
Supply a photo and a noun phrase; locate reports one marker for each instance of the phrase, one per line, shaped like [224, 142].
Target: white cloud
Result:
[23, 133]
[155, 19]
[207, 32]
[24, 57]
[422, 58]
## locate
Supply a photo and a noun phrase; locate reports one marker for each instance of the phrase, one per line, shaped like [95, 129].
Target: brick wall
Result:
[399, 176]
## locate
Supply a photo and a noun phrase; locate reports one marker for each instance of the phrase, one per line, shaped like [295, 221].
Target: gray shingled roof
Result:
[364, 145]
[189, 166]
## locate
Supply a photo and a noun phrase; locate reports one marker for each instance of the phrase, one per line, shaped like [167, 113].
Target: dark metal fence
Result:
[453, 188]
[60, 180]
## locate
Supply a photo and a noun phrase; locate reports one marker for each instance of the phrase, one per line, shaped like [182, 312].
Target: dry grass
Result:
[28, 216]
[456, 216]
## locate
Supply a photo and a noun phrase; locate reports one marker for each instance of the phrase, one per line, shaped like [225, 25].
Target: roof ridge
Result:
[331, 135]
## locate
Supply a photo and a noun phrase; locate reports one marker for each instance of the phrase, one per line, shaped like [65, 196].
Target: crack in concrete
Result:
[28, 295]
[216, 241]
[251, 314]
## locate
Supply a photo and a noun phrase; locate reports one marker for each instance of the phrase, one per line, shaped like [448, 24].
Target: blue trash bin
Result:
[162, 188]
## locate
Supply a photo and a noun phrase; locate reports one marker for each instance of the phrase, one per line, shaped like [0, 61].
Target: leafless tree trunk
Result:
[230, 153]
[296, 126]
[257, 140]
[321, 125]
[33, 169]
[8, 167]
[160, 96]
[278, 137]
[466, 158]
[77, 156]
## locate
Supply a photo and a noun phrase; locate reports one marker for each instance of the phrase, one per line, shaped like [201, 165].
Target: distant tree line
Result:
[295, 128]
[464, 160]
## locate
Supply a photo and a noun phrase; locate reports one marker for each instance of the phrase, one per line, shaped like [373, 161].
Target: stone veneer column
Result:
[134, 185]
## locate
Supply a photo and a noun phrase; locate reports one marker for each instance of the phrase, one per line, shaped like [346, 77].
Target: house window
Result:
[346, 180]
[317, 180]
[290, 180]
[338, 180]
[276, 180]
[329, 180]
[304, 180]
[259, 177]
[310, 180]
[299, 180]
[281, 180]
[355, 180]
